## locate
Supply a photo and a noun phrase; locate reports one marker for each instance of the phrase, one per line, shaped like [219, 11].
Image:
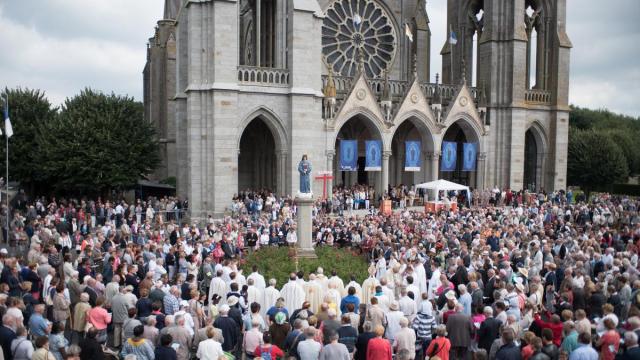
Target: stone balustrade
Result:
[253, 75]
[536, 96]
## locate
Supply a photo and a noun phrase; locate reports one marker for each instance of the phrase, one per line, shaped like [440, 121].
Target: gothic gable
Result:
[463, 105]
[359, 100]
[415, 102]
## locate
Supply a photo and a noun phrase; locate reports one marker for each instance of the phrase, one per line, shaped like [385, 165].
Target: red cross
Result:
[324, 176]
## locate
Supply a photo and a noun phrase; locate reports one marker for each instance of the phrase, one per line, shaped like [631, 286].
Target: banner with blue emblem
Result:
[449, 156]
[470, 151]
[373, 156]
[412, 156]
[349, 155]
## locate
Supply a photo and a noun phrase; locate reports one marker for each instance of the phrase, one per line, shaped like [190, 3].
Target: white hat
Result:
[232, 300]
[4, 251]
[184, 303]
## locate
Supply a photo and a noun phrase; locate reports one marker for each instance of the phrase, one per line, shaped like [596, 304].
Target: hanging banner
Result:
[470, 151]
[373, 160]
[349, 155]
[412, 156]
[449, 156]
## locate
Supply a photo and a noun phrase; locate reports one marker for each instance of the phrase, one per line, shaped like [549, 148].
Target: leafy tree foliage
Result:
[594, 160]
[96, 143]
[623, 130]
[28, 110]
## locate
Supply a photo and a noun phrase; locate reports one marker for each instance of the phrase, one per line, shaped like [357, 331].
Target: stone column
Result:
[480, 170]
[330, 155]
[385, 171]
[282, 171]
[435, 164]
[304, 222]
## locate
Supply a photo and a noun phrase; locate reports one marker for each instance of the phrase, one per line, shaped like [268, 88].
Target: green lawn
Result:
[279, 262]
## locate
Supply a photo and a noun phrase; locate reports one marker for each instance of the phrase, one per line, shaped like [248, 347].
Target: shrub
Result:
[279, 262]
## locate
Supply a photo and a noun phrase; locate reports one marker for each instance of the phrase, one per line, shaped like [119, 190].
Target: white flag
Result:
[7, 127]
[407, 31]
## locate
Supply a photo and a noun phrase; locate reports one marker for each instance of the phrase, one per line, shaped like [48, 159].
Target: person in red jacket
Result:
[379, 348]
[267, 347]
[555, 325]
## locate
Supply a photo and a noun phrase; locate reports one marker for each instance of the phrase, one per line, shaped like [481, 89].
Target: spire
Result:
[437, 98]
[463, 78]
[360, 61]
[386, 88]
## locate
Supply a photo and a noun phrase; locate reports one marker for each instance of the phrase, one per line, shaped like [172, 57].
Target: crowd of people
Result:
[515, 276]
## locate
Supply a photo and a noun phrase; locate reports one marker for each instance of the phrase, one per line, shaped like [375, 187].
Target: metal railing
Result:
[253, 75]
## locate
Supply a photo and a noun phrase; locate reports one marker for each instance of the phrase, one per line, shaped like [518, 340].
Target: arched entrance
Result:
[460, 132]
[361, 129]
[257, 161]
[533, 160]
[409, 130]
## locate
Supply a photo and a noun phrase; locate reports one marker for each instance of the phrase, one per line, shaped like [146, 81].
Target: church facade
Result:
[240, 90]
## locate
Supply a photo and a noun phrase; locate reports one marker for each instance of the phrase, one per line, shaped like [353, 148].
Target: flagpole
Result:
[450, 54]
[6, 99]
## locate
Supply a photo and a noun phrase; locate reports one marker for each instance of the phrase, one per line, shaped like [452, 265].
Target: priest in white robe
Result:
[339, 284]
[254, 294]
[258, 279]
[335, 297]
[434, 282]
[293, 294]
[219, 287]
[314, 292]
[369, 286]
[356, 286]
[269, 297]
[324, 282]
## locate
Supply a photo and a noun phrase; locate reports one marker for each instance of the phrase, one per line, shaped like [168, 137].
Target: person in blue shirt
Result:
[351, 298]
[38, 325]
[584, 351]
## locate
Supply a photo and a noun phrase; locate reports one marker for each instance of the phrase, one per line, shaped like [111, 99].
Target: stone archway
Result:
[411, 129]
[257, 158]
[534, 159]
[360, 128]
[460, 132]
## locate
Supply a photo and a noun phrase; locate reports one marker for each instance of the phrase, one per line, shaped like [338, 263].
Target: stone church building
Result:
[239, 90]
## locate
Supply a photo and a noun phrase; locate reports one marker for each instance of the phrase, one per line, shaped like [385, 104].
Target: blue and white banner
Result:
[373, 156]
[412, 156]
[349, 155]
[470, 151]
[449, 156]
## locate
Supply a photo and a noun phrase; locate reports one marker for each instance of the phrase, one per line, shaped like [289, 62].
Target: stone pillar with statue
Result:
[304, 202]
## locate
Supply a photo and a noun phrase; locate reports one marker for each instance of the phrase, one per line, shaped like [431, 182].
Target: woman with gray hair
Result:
[440, 345]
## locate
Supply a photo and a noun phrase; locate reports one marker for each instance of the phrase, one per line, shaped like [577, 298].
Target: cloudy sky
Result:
[62, 46]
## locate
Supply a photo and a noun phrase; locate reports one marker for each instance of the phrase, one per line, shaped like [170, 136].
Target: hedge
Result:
[279, 262]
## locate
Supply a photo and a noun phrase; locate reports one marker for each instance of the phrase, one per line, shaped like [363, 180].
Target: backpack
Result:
[265, 355]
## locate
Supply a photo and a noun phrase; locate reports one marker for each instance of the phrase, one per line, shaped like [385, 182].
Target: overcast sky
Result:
[62, 46]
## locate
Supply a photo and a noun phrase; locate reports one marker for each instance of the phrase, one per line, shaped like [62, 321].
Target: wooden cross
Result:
[324, 176]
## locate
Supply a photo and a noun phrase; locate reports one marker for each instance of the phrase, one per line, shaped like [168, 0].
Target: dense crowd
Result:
[515, 276]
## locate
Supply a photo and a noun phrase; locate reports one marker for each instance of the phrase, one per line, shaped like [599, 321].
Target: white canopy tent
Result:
[443, 185]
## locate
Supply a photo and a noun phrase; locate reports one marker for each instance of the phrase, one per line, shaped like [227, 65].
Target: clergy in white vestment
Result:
[219, 287]
[407, 305]
[293, 294]
[369, 286]
[420, 278]
[356, 286]
[383, 300]
[339, 284]
[314, 292]
[269, 297]
[335, 296]
[434, 282]
[322, 280]
[387, 290]
[254, 294]
[258, 280]
[381, 267]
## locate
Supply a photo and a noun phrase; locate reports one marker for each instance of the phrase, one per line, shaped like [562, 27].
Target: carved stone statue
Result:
[304, 168]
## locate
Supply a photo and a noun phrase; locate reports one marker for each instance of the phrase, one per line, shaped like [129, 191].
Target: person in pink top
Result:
[99, 318]
[379, 348]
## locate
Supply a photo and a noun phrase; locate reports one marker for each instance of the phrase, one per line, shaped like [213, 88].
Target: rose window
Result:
[355, 28]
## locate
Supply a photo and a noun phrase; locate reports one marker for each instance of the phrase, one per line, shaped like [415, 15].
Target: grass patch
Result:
[279, 262]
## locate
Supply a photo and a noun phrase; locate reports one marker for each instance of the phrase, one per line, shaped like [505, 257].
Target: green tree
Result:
[28, 110]
[98, 142]
[594, 160]
[626, 139]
